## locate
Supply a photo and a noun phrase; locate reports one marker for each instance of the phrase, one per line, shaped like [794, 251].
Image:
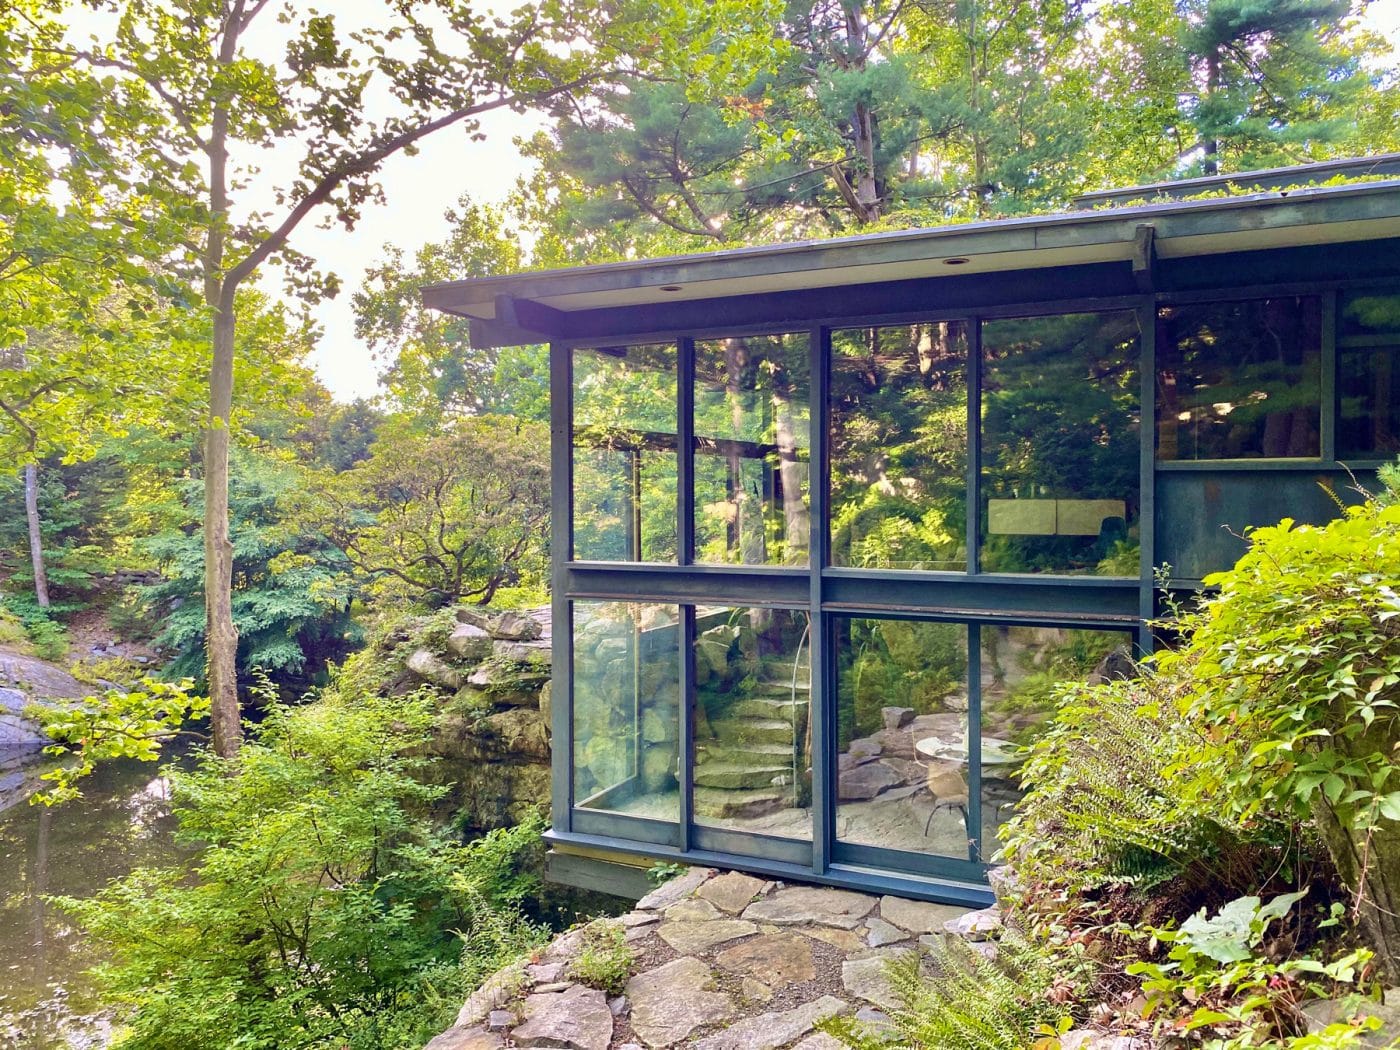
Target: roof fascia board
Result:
[1190, 219]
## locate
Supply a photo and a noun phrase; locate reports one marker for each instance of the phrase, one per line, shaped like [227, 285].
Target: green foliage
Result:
[118, 724]
[290, 604]
[47, 639]
[605, 959]
[1104, 796]
[1218, 982]
[662, 872]
[457, 513]
[322, 908]
[972, 1002]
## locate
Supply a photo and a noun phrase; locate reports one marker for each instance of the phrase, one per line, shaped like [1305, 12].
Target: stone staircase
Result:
[745, 760]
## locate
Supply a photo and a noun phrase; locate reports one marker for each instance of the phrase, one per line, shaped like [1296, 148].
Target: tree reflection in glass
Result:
[625, 453]
[1368, 377]
[1060, 454]
[1239, 380]
[752, 443]
[899, 447]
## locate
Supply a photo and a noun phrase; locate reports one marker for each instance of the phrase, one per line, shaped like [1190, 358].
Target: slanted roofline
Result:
[529, 307]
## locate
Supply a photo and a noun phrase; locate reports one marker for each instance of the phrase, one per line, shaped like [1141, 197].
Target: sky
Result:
[419, 189]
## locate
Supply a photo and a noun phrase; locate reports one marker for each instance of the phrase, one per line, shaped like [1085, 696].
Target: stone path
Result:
[723, 962]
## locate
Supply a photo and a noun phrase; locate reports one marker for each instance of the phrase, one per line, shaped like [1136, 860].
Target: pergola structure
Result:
[832, 518]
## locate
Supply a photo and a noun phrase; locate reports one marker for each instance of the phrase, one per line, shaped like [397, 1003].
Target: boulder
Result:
[896, 717]
[433, 669]
[1116, 666]
[466, 1039]
[470, 642]
[518, 732]
[17, 731]
[866, 781]
[976, 925]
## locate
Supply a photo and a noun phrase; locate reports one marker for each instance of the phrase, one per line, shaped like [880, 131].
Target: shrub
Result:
[1293, 672]
[49, 640]
[972, 1002]
[605, 959]
[323, 910]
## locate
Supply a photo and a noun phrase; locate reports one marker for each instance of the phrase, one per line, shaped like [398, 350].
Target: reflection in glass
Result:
[901, 698]
[1238, 380]
[1021, 668]
[1060, 454]
[899, 447]
[1368, 380]
[752, 450]
[626, 708]
[625, 467]
[753, 738]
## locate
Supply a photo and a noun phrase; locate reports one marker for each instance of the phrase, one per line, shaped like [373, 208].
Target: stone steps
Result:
[752, 730]
[740, 775]
[756, 755]
[769, 708]
[757, 802]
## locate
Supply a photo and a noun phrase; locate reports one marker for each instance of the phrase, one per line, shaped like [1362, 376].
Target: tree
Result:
[290, 603]
[203, 106]
[432, 369]
[453, 515]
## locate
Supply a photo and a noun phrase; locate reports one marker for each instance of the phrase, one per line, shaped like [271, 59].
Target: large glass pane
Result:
[626, 708]
[1060, 454]
[752, 450]
[753, 737]
[625, 466]
[1021, 668]
[901, 699]
[1239, 380]
[1368, 380]
[899, 447]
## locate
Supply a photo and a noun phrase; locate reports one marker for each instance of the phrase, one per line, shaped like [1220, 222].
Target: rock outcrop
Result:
[491, 670]
[26, 680]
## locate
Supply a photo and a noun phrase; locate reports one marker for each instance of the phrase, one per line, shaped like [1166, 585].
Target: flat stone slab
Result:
[671, 1001]
[820, 1041]
[575, 1019]
[867, 977]
[776, 959]
[732, 892]
[772, 1030]
[466, 1039]
[918, 916]
[691, 937]
[692, 911]
[847, 940]
[881, 933]
[679, 888]
[803, 904]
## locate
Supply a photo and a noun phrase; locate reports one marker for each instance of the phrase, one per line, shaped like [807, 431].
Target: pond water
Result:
[122, 822]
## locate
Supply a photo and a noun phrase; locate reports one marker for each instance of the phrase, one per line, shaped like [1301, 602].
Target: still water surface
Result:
[122, 822]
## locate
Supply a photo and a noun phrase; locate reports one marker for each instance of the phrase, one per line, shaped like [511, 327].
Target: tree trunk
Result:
[221, 636]
[1371, 871]
[36, 539]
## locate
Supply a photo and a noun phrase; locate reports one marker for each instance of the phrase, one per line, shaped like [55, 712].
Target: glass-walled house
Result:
[832, 519]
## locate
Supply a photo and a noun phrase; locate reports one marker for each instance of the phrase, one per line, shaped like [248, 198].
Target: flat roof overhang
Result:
[531, 307]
